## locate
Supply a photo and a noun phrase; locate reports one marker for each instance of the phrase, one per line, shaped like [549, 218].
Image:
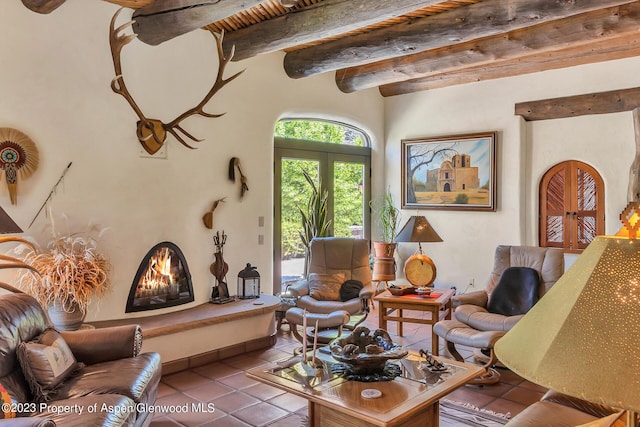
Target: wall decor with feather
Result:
[19, 159]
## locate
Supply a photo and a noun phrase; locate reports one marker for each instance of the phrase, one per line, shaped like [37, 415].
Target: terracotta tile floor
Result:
[239, 401]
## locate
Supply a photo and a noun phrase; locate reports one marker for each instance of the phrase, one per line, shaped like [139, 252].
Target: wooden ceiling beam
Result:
[321, 20]
[614, 101]
[585, 28]
[598, 51]
[163, 20]
[483, 19]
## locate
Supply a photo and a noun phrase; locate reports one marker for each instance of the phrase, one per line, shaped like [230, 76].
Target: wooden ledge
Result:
[196, 317]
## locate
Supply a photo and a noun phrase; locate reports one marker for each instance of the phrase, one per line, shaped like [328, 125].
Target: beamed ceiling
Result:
[401, 46]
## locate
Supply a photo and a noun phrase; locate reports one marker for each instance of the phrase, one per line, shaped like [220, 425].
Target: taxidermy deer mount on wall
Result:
[152, 132]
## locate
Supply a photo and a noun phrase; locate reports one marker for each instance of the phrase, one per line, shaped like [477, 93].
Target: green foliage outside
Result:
[296, 191]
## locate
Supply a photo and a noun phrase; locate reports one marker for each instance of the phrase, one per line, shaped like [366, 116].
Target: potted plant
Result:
[388, 218]
[314, 218]
[73, 273]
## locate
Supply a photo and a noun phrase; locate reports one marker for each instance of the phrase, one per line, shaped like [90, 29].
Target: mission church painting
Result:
[456, 174]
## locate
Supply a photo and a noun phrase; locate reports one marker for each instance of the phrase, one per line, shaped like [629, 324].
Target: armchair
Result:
[331, 290]
[521, 275]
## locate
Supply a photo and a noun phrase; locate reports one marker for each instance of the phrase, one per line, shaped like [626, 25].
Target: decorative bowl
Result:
[365, 352]
[401, 290]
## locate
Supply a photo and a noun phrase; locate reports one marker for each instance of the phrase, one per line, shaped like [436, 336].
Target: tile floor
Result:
[239, 401]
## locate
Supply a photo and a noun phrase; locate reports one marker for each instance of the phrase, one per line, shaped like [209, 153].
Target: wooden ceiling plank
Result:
[458, 25]
[321, 20]
[163, 20]
[599, 51]
[585, 28]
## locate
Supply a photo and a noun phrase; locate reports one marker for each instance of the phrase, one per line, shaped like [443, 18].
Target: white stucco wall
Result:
[55, 86]
[525, 151]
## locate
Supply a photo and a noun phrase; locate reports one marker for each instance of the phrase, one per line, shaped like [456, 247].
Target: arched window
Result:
[334, 153]
[571, 206]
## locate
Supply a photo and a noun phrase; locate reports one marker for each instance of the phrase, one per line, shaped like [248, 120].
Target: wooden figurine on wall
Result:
[233, 164]
[208, 217]
[18, 158]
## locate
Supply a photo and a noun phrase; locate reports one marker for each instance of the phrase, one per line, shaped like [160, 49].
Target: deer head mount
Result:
[153, 132]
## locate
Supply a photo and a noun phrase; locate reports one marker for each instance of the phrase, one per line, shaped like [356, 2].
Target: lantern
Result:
[248, 283]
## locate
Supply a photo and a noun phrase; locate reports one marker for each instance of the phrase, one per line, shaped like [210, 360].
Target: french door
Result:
[345, 174]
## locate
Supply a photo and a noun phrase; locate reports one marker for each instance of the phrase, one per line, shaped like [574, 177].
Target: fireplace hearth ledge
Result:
[212, 322]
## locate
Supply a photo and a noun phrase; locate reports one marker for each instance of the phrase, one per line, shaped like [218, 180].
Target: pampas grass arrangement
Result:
[73, 271]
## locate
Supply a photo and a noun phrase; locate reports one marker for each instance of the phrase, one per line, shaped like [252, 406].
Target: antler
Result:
[174, 126]
[152, 132]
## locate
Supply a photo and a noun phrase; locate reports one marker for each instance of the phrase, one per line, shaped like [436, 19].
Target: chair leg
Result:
[491, 376]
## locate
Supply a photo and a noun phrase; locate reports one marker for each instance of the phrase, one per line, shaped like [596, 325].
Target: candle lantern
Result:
[249, 283]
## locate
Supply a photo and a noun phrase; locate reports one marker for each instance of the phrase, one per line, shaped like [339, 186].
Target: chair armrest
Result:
[595, 409]
[479, 298]
[27, 422]
[367, 291]
[299, 289]
[91, 346]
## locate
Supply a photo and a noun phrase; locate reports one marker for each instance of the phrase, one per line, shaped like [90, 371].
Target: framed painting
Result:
[456, 172]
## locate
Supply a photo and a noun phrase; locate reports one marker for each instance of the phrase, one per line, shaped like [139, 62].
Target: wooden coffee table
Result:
[439, 305]
[411, 400]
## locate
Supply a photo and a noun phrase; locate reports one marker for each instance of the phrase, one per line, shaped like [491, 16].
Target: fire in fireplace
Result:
[162, 280]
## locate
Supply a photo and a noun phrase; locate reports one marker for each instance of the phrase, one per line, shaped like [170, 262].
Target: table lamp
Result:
[581, 338]
[419, 269]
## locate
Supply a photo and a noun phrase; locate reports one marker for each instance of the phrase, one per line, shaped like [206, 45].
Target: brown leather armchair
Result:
[115, 374]
[348, 258]
[483, 317]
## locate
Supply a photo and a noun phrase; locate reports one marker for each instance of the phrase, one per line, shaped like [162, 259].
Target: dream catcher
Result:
[18, 158]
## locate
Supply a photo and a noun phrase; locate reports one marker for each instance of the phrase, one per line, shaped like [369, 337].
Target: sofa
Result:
[107, 382]
[559, 410]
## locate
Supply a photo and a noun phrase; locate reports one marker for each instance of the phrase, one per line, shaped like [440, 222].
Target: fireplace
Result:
[162, 280]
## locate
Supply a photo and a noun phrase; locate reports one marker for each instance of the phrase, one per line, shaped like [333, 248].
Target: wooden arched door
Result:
[571, 206]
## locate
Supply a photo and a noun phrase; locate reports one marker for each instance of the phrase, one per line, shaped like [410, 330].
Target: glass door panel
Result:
[348, 199]
[294, 191]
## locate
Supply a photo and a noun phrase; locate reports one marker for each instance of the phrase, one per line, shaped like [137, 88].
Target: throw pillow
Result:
[350, 290]
[46, 362]
[325, 287]
[516, 292]
[8, 405]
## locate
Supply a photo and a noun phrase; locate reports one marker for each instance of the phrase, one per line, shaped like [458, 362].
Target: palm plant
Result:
[314, 218]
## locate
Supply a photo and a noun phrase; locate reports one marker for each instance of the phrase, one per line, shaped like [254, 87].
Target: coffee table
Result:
[411, 400]
[439, 305]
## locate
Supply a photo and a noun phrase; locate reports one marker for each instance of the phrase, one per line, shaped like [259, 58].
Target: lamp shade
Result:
[582, 338]
[418, 229]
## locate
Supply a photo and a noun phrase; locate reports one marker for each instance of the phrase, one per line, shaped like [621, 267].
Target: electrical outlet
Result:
[261, 239]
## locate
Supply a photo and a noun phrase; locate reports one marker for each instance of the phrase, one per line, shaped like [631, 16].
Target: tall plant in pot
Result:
[315, 222]
[388, 218]
[73, 273]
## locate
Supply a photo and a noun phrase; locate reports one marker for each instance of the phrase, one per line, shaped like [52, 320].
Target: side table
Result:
[439, 305]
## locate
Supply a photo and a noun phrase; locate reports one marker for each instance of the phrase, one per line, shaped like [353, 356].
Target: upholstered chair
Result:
[338, 283]
[521, 275]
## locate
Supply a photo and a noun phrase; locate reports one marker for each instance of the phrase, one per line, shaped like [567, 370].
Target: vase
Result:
[384, 265]
[66, 320]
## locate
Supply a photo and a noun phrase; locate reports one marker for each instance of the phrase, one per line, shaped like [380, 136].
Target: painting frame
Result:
[452, 172]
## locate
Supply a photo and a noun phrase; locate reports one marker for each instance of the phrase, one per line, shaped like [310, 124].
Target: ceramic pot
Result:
[65, 320]
[384, 249]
